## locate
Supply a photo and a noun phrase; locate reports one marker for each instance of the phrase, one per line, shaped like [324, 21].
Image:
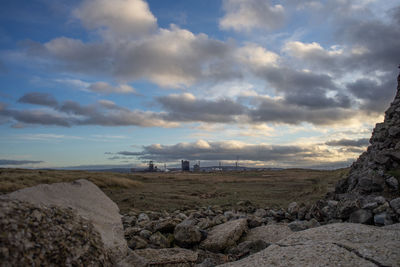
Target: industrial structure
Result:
[185, 166]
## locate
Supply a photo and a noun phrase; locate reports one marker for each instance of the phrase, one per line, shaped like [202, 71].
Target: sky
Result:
[99, 83]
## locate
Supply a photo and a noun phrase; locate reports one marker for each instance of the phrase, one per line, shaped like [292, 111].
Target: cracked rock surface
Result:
[340, 244]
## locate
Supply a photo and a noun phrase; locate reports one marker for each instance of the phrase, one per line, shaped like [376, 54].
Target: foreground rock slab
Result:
[88, 201]
[47, 236]
[271, 233]
[171, 257]
[341, 244]
[224, 235]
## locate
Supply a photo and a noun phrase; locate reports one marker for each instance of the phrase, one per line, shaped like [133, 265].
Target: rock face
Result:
[268, 233]
[341, 244]
[88, 201]
[47, 236]
[370, 173]
[224, 235]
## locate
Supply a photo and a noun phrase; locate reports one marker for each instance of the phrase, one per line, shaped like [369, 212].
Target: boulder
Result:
[187, 234]
[171, 257]
[270, 233]
[248, 247]
[88, 201]
[395, 204]
[341, 244]
[48, 236]
[224, 235]
[296, 226]
[362, 216]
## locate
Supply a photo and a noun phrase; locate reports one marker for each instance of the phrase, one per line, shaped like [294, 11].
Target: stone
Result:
[341, 244]
[143, 217]
[382, 208]
[159, 240]
[165, 226]
[187, 234]
[137, 242]
[224, 235]
[248, 247]
[362, 216]
[392, 183]
[34, 235]
[395, 204]
[293, 208]
[270, 233]
[296, 226]
[260, 213]
[346, 207]
[161, 257]
[88, 201]
[145, 234]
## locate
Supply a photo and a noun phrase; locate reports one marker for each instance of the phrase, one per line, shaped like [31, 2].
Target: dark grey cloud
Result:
[128, 153]
[37, 117]
[187, 108]
[18, 162]
[42, 99]
[280, 112]
[349, 143]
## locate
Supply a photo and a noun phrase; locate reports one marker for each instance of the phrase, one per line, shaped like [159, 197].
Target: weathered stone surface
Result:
[248, 247]
[342, 244]
[296, 226]
[224, 235]
[168, 257]
[159, 240]
[271, 233]
[187, 234]
[88, 201]
[395, 204]
[47, 236]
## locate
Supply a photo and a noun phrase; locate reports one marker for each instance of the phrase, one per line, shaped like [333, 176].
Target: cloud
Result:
[349, 143]
[18, 162]
[105, 88]
[246, 15]
[230, 151]
[117, 18]
[186, 107]
[42, 99]
[41, 117]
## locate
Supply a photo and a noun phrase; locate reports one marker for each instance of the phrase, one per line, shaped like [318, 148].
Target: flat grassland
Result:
[171, 191]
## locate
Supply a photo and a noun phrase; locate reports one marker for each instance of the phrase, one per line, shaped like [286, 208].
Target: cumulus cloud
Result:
[4, 162]
[246, 15]
[36, 98]
[121, 18]
[349, 143]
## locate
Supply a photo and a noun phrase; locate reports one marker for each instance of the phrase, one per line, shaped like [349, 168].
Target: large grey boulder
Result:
[270, 234]
[88, 201]
[171, 257]
[224, 235]
[341, 244]
[187, 234]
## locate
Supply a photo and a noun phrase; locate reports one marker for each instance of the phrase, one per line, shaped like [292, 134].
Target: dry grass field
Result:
[170, 191]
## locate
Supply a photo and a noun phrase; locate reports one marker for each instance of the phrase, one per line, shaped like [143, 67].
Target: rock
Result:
[271, 233]
[296, 226]
[159, 240]
[260, 213]
[88, 201]
[145, 234]
[293, 208]
[362, 216]
[382, 208]
[224, 235]
[248, 247]
[392, 183]
[229, 215]
[342, 244]
[137, 242]
[165, 226]
[345, 207]
[253, 221]
[170, 257]
[383, 219]
[395, 204]
[48, 236]
[143, 217]
[187, 234]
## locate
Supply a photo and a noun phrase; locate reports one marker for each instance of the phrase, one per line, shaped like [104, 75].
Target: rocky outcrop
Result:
[47, 236]
[88, 201]
[342, 244]
[370, 174]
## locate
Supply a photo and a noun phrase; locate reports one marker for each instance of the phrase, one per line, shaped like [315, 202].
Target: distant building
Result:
[196, 167]
[151, 167]
[185, 165]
